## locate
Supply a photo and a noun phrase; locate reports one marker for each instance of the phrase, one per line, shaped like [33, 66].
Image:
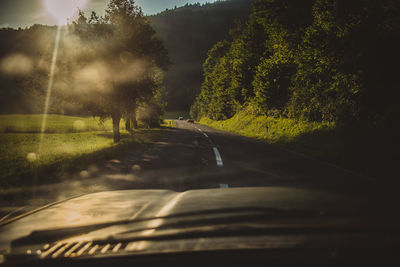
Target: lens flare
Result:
[62, 10]
[79, 126]
[16, 64]
[49, 86]
[31, 157]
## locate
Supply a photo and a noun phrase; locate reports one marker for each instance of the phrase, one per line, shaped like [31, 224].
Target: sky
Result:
[24, 13]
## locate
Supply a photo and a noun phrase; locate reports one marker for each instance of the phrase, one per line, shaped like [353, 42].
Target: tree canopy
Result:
[122, 49]
[317, 60]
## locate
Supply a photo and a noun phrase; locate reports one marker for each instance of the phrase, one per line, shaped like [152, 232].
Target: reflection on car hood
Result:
[114, 206]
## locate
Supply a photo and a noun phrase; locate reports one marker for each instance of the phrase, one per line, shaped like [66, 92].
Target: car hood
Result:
[132, 205]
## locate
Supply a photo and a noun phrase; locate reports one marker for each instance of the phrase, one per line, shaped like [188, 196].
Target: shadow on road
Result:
[182, 159]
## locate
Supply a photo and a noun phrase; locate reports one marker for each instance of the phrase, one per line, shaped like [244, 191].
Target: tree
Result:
[121, 48]
[318, 60]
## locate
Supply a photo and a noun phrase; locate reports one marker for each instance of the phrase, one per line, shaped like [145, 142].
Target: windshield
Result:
[294, 98]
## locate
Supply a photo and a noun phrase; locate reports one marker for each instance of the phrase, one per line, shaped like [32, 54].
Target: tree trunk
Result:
[128, 122]
[134, 120]
[115, 122]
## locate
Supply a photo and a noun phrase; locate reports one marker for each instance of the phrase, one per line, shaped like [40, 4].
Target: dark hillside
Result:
[20, 50]
[188, 33]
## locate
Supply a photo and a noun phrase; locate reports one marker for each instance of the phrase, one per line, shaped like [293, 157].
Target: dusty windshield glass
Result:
[296, 97]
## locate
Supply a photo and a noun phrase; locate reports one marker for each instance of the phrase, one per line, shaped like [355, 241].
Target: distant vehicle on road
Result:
[190, 120]
[180, 118]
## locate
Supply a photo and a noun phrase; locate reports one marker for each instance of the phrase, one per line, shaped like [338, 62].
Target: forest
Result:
[314, 60]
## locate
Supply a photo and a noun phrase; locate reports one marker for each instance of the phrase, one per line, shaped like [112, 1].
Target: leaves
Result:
[318, 60]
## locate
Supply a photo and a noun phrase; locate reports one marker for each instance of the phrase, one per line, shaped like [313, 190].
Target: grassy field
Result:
[368, 150]
[70, 143]
[54, 124]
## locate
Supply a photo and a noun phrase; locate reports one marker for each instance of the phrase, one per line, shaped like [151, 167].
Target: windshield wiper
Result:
[187, 219]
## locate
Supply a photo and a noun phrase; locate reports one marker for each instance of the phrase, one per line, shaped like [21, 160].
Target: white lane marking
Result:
[197, 128]
[216, 152]
[218, 157]
[223, 186]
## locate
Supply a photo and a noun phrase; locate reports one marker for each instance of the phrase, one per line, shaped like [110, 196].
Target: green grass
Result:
[23, 159]
[54, 124]
[280, 130]
[169, 123]
[369, 150]
[20, 152]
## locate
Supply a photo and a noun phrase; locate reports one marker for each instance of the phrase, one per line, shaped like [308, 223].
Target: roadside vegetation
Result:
[273, 130]
[169, 123]
[314, 60]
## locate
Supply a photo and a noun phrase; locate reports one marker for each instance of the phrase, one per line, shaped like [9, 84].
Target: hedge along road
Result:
[193, 156]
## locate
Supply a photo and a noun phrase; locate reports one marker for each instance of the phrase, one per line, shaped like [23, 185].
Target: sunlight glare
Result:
[79, 126]
[31, 157]
[62, 10]
[49, 87]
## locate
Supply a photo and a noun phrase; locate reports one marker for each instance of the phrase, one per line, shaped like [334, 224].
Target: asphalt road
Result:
[249, 162]
[193, 156]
